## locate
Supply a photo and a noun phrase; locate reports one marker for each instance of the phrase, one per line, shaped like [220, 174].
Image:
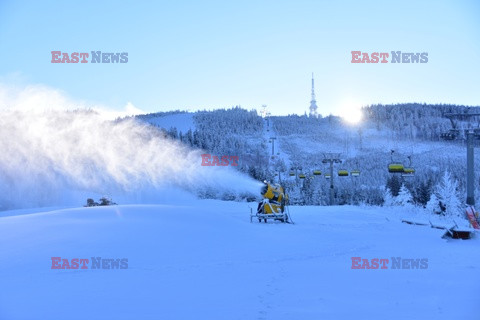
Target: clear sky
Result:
[213, 54]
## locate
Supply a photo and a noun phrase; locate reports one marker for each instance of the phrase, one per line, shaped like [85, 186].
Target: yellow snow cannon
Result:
[273, 205]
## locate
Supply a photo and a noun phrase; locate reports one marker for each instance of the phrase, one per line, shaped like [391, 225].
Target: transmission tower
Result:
[313, 102]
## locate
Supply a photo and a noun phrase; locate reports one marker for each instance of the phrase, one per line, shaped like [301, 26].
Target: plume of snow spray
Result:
[59, 156]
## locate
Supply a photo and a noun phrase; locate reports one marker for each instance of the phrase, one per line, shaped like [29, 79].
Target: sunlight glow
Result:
[351, 113]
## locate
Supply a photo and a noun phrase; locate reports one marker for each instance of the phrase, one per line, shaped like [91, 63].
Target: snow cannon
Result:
[275, 196]
[273, 205]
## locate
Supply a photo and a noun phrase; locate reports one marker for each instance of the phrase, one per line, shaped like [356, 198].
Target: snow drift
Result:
[55, 156]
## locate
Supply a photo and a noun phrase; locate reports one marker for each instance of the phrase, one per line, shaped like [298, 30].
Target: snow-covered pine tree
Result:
[307, 191]
[433, 205]
[387, 198]
[447, 194]
[394, 185]
[404, 197]
[422, 192]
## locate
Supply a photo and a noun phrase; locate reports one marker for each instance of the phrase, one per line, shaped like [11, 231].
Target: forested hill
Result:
[422, 121]
[414, 131]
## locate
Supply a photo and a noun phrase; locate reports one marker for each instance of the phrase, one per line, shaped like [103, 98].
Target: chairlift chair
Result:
[343, 173]
[408, 171]
[452, 134]
[395, 167]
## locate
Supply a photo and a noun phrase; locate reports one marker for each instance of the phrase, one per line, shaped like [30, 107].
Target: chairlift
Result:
[408, 171]
[343, 173]
[355, 173]
[395, 167]
[452, 134]
[317, 172]
[327, 176]
[301, 176]
[291, 174]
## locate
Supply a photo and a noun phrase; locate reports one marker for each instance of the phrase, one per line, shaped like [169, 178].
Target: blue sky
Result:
[213, 54]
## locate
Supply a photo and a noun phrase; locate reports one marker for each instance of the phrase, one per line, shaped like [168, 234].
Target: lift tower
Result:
[470, 135]
[331, 158]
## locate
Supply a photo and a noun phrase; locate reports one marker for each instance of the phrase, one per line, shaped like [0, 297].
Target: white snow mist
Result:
[61, 157]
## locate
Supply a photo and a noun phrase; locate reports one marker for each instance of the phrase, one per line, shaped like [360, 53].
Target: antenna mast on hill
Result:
[313, 102]
[263, 113]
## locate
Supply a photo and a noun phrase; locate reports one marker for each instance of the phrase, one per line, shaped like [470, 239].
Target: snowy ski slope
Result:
[205, 260]
[182, 121]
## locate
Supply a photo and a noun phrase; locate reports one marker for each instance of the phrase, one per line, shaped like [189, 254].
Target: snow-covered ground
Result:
[182, 121]
[205, 260]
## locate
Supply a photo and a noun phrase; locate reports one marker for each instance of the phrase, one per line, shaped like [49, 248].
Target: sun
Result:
[351, 113]
[353, 116]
